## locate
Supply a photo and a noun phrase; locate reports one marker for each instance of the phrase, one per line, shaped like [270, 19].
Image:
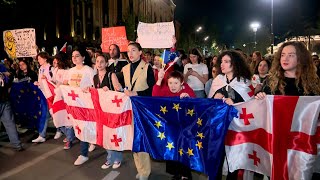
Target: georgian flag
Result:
[276, 137]
[245, 89]
[56, 104]
[100, 117]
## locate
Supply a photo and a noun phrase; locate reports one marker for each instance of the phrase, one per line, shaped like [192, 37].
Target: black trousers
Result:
[178, 169]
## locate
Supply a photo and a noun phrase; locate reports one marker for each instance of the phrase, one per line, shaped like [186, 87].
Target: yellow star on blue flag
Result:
[190, 130]
[163, 109]
[190, 112]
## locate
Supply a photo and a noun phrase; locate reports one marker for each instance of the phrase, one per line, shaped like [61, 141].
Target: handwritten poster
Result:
[20, 42]
[156, 35]
[114, 35]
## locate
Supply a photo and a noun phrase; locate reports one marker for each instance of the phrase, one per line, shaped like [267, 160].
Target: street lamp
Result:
[195, 34]
[199, 29]
[255, 26]
[206, 38]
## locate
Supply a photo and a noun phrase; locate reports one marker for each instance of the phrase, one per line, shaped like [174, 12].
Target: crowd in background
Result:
[292, 71]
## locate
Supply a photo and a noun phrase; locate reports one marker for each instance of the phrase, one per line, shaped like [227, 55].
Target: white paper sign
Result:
[156, 35]
[20, 42]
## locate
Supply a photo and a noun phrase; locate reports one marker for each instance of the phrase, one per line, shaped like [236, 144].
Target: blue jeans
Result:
[114, 156]
[44, 131]
[68, 131]
[84, 148]
[200, 94]
[7, 119]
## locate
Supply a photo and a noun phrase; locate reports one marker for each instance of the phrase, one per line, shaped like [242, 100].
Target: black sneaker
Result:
[19, 148]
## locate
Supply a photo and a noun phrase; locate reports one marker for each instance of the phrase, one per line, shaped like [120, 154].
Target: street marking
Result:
[29, 164]
[112, 175]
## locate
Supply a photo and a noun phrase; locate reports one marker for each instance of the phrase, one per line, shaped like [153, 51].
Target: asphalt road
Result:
[49, 161]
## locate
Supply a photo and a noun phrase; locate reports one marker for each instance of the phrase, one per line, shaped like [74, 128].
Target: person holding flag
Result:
[44, 73]
[292, 74]
[175, 87]
[232, 86]
[139, 80]
[81, 76]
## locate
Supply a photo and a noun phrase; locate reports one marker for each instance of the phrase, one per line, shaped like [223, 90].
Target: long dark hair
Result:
[62, 60]
[196, 51]
[85, 54]
[257, 66]
[238, 63]
[117, 48]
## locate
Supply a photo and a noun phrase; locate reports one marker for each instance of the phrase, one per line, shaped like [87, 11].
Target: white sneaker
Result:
[138, 176]
[58, 135]
[39, 140]
[116, 165]
[92, 147]
[106, 165]
[80, 160]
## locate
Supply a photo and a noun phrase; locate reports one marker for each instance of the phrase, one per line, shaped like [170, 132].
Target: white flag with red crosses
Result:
[56, 105]
[100, 117]
[277, 137]
[243, 87]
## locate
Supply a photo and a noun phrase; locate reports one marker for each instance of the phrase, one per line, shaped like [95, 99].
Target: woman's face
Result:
[134, 53]
[214, 72]
[156, 61]
[289, 59]
[263, 68]
[214, 60]
[101, 63]
[226, 67]
[193, 58]
[22, 66]
[55, 63]
[77, 59]
[41, 60]
[254, 57]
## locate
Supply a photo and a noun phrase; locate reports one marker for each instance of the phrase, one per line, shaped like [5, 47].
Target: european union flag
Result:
[29, 105]
[169, 56]
[190, 130]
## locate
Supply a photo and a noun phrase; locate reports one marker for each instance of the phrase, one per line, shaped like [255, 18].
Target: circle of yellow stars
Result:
[170, 145]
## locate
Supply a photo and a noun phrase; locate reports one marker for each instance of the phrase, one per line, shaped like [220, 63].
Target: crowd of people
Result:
[229, 76]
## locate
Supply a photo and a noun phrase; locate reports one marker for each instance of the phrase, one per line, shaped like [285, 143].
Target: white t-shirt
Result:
[80, 77]
[193, 81]
[59, 75]
[45, 70]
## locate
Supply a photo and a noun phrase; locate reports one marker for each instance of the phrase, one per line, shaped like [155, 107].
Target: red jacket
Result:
[165, 91]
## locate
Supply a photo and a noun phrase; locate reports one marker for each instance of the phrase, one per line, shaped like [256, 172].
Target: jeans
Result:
[7, 119]
[84, 148]
[200, 94]
[68, 131]
[44, 130]
[114, 156]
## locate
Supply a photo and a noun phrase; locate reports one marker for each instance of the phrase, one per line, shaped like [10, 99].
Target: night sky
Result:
[232, 17]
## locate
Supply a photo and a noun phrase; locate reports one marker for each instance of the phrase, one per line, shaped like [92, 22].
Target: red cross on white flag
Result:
[281, 139]
[56, 105]
[100, 117]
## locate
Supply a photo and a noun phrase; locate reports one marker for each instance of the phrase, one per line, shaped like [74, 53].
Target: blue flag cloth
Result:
[169, 56]
[29, 105]
[190, 130]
